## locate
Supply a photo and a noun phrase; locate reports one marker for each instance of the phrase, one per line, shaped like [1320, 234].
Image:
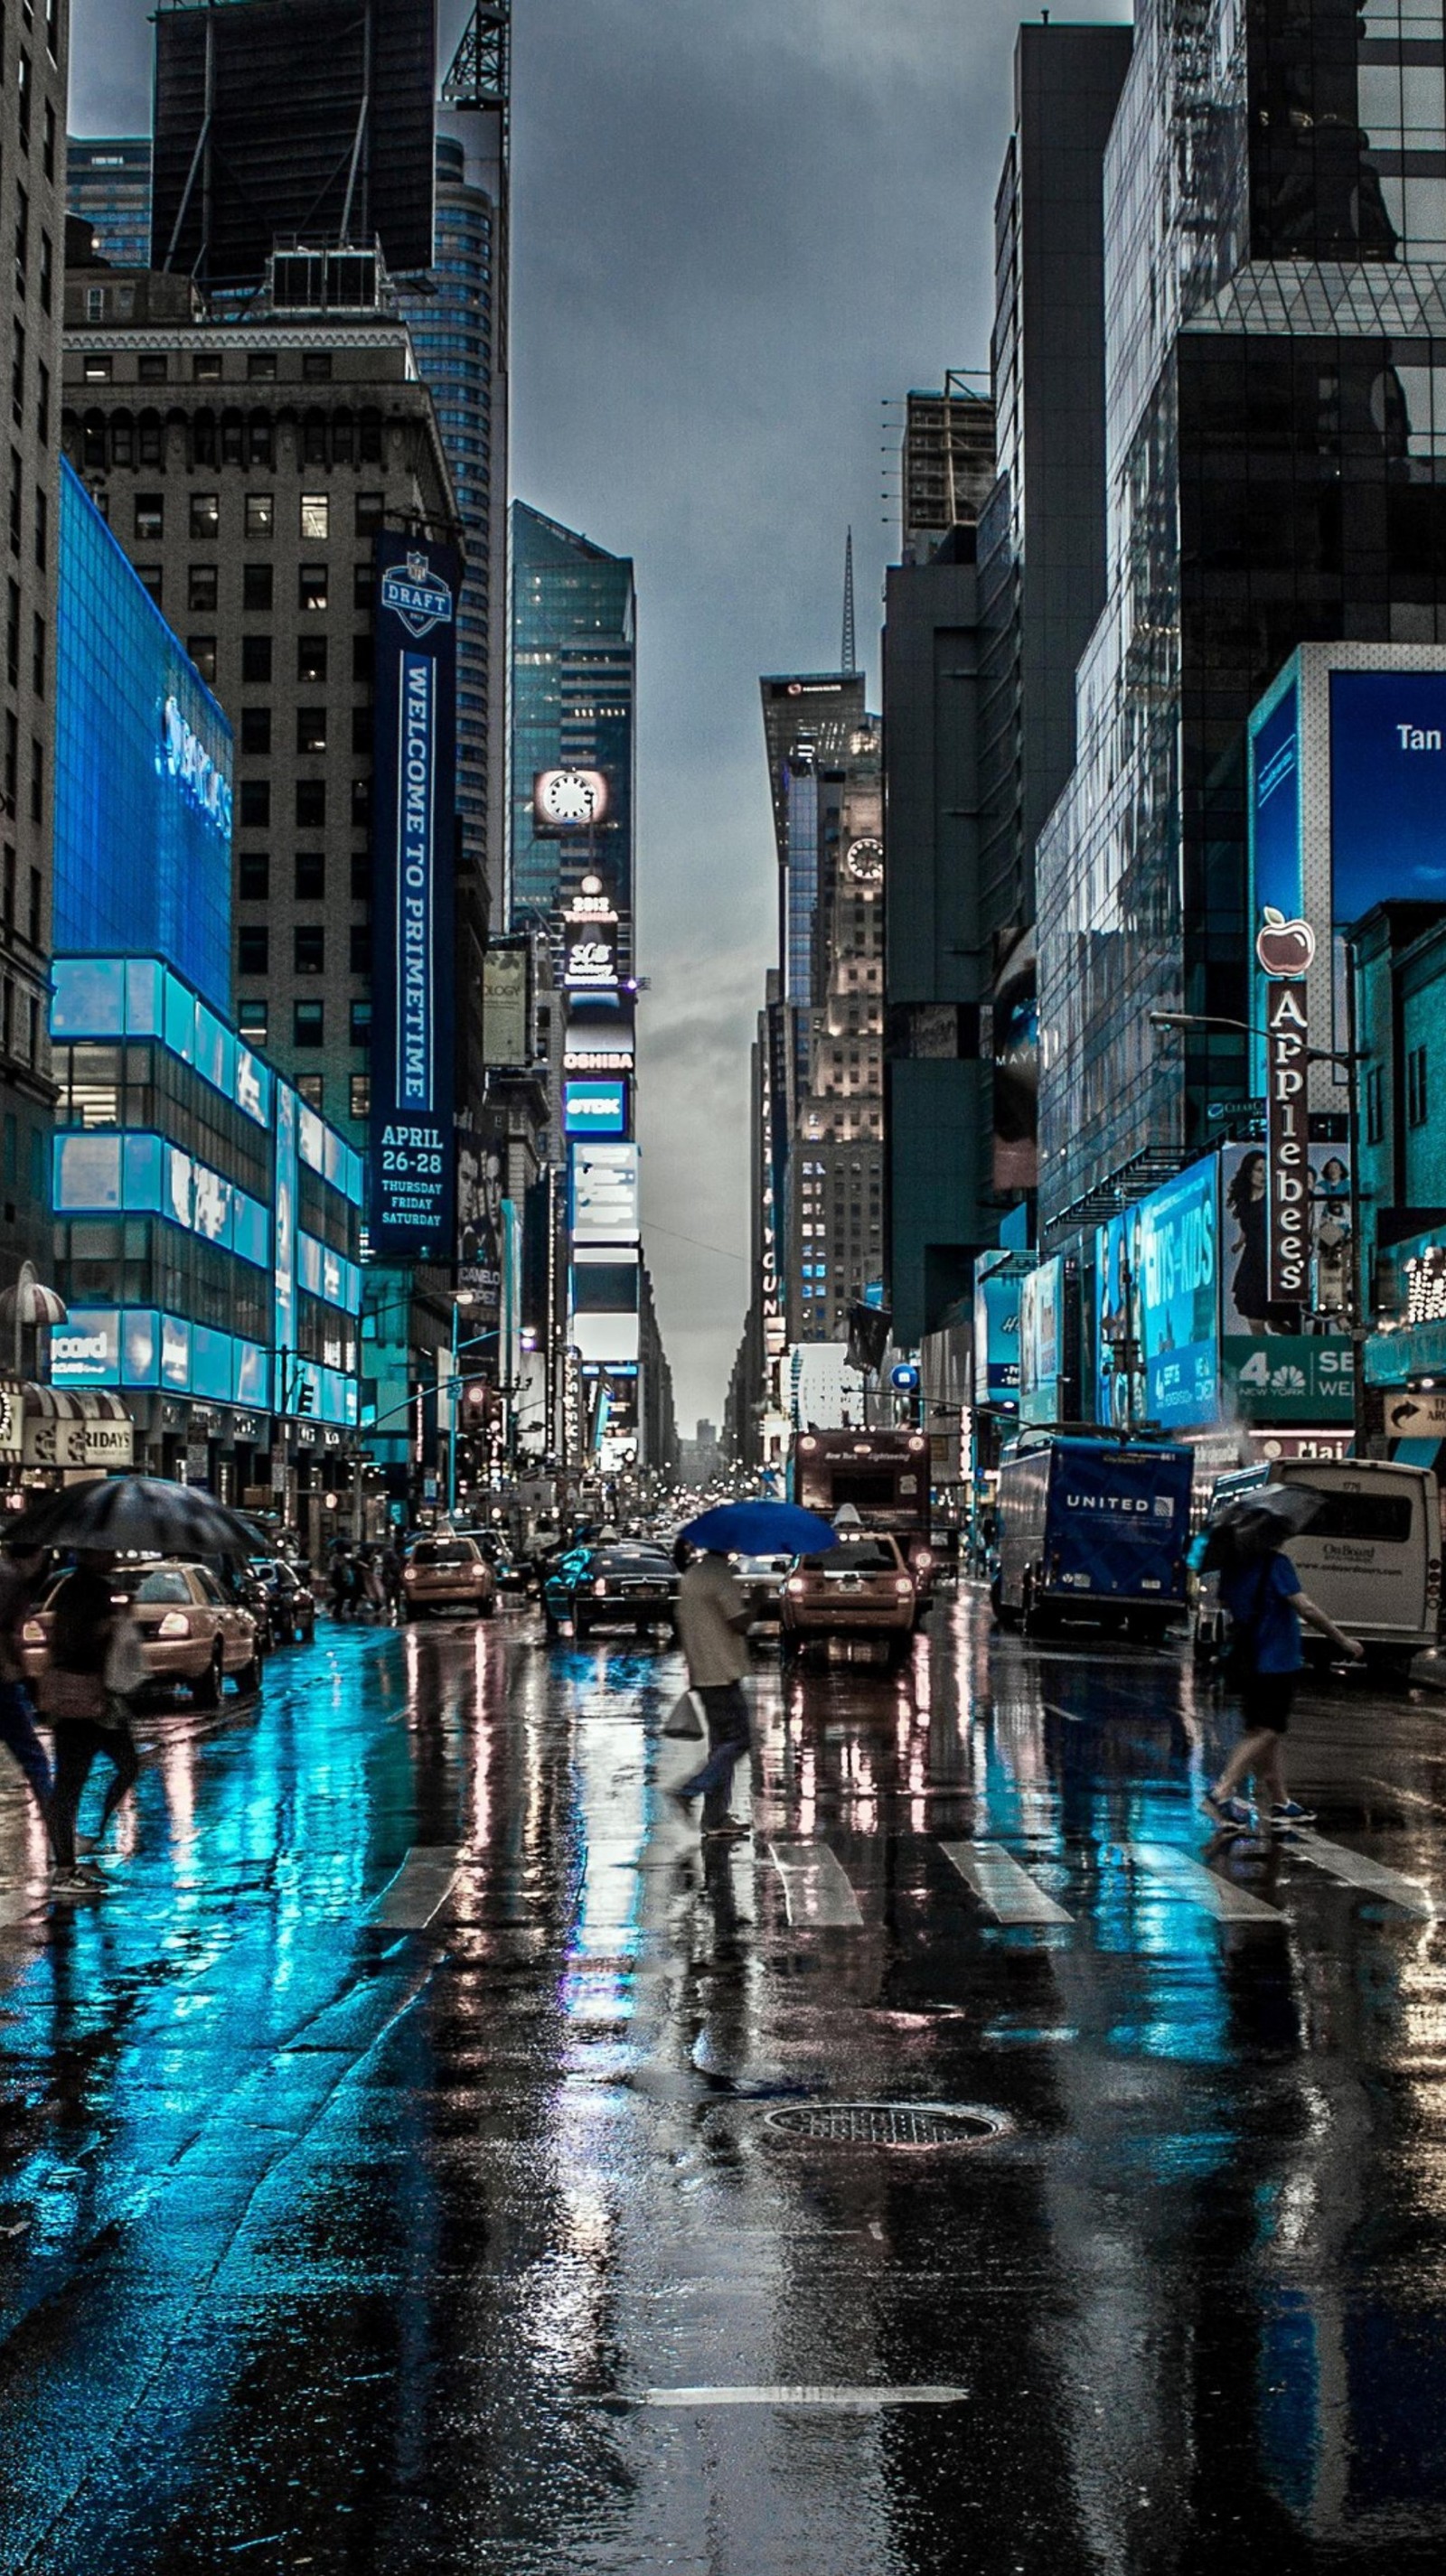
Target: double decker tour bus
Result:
[884, 1475]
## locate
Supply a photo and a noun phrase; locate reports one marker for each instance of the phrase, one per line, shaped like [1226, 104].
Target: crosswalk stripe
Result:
[1008, 1891]
[1190, 1879]
[1371, 1876]
[419, 1890]
[858, 2401]
[815, 1890]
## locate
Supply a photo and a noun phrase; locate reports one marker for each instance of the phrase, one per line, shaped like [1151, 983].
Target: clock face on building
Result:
[564, 796]
[865, 861]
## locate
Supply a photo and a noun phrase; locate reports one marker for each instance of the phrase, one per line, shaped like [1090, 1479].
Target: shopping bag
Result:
[685, 1717]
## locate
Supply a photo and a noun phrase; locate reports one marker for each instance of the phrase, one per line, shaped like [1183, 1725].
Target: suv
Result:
[861, 1588]
[448, 1574]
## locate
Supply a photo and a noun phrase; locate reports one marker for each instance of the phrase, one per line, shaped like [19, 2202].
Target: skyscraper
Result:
[459, 333]
[108, 183]
[573, 664]
[1275, 257]
[33, 48]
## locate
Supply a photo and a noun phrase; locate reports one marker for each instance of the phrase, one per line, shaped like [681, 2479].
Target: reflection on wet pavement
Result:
[392, 2176]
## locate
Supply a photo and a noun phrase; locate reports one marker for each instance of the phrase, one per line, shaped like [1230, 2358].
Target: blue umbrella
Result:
[761, 1529]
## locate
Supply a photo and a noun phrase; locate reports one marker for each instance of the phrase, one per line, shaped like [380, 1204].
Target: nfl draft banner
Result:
[413, 859]
[1284, 950]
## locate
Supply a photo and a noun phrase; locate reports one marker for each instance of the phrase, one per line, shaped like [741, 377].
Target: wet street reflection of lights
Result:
[383, 2233]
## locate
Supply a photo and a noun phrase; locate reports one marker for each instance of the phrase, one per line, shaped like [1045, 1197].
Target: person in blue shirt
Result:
[1262, 1593]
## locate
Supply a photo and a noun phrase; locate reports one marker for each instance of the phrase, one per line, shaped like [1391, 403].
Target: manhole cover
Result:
[891, 2124]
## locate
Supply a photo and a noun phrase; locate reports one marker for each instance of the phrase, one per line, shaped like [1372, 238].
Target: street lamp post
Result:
[1350, 1056]
[462, 1298]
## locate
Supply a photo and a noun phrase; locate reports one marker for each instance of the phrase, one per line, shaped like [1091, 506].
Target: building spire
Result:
[850, 661]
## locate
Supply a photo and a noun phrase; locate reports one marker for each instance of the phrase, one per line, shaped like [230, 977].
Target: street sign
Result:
[1415, 1415]
[905, 1377]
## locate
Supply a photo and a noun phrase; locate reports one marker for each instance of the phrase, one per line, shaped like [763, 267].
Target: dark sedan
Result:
[617, 1585]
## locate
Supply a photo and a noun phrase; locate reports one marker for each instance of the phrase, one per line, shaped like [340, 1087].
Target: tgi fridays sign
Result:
[1284, 950]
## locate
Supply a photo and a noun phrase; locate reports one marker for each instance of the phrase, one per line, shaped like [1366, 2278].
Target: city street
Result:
[408, 2165]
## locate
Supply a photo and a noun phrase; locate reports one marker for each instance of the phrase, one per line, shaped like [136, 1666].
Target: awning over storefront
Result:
[44, 1426]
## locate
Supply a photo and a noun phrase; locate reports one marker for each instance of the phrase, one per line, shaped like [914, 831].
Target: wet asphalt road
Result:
[391, 2177]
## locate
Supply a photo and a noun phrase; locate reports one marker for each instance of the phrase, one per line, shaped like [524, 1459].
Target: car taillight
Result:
[902, 1585]
[795, 1583]
[33, 1633]
[599, 1585]
[174, 1624]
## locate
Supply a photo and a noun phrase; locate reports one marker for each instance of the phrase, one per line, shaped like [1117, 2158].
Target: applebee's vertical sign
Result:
[1285, 950]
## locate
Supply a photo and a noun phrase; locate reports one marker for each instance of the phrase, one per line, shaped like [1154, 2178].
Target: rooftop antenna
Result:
[850, 660]
[480, 72]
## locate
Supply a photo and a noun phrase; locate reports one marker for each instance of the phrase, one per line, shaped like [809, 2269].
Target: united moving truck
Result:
[1092, 1528]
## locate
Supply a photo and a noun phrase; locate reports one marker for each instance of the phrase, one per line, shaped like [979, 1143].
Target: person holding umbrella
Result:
[1261, 1590]
[713, 1621]
[81, 1698]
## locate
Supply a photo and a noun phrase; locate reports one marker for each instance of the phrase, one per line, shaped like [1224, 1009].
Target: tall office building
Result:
[108, 183]
[280, 119]
[459, 333]
[818, 1108]
[1274, 265]
[33, 47]
[946, 465]
[573, 682]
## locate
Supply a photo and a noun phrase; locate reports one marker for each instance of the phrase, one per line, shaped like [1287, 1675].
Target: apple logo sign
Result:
[1284, 948]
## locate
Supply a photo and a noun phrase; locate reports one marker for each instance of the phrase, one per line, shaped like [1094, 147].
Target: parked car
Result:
[622, 1584]
[448, 1574]
[760, 1579]
[861, 1588]
[1371, 1557]
[189, 1630]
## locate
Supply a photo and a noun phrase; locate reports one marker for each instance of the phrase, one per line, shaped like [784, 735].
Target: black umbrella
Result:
[138, 1515]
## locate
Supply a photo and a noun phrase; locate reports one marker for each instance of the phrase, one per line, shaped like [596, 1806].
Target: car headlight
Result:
[409, 1574]
[174, 1624]
[795, 1583]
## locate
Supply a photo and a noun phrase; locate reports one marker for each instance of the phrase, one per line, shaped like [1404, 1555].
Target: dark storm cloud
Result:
[736, 228]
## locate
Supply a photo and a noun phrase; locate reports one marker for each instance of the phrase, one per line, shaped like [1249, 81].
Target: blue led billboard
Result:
[1179, 1298]
[413, 836]
[595, 1108]
[1388, 788]
[996, 1340]
[142, 771]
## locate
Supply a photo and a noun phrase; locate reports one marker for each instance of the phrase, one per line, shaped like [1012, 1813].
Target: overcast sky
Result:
[737, 227]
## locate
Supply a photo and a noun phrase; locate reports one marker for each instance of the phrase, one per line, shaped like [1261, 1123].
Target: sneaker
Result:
[1288, 1812]
[77, 1882]
[1230, 1811]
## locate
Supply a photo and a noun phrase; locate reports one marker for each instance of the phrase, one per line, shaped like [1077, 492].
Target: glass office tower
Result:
[1275, 300]
[573, 674]
[458, 332]
[108, 181]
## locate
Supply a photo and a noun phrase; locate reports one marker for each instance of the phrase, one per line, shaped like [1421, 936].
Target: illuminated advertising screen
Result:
[1119, 1365]
[1273, 1376]
[1179, 1317]
[595, 1108]
[143, 766]
[1388, 788]
[1041, 1332]
[413, 852]
[1275, 846]
[996, 1342]
[604, 1193]
[506, 1018]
